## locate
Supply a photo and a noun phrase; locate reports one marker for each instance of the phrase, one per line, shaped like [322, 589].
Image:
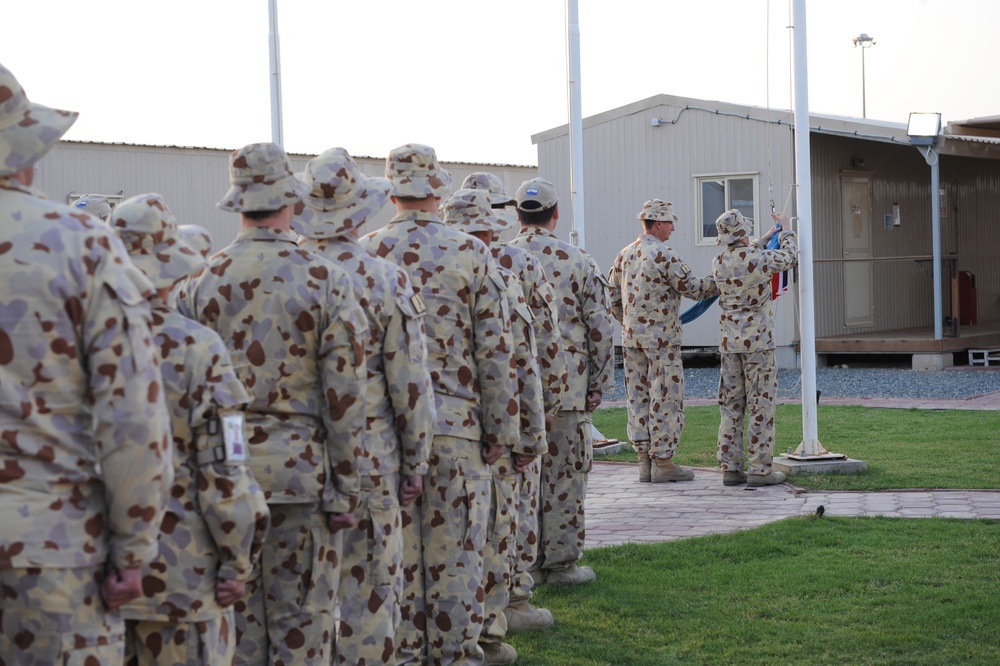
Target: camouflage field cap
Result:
[732, 227]
[95, 204]
[197, 237]
[342, 197]
[535, 195]
[262, 180]
[149, 231]
[27, 130]
[499, 199]
[415, 172]
[656, 210]
[470, 211]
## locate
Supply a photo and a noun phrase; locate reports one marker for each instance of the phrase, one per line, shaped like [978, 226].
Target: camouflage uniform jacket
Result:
[540, 298]
[584, 320]
[646, 282]
[401, 412]
[529, 380]
[743, 274]
[469, 349]
[296, 336]
[216, 518]
[84, 430]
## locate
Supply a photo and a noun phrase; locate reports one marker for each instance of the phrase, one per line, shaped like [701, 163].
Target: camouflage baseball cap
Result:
[535, 195]
[95, 204]
[656, 210]
[342, 197]
[27, 130]
[499, 199]
[197, 237]
[415, 172]
[262, 180]
[470, 211]
[149, 231]
[732, 227]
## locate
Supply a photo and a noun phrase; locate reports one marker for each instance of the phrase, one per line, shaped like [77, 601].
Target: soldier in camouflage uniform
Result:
[539, 298]
[587, 343]
[748, 377]
[469, 210]
[469, 357]
[85, 451]
[647, 281]
[297, 338]
[401, 411]
[216, 519]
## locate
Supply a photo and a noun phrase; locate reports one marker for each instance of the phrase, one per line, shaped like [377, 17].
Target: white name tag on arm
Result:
[234, 437]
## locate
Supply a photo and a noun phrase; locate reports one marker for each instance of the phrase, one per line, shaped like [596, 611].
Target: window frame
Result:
[726, 176]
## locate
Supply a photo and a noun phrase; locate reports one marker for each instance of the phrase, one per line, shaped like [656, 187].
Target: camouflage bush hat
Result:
[656, 210]
[470, 211]
[342, 197]
[149, 231]
[95, 204]
[415, 172]
[27, 130]
[197, 237]
[535, 195]
[499, 199]
[262, 180]
[732, 227]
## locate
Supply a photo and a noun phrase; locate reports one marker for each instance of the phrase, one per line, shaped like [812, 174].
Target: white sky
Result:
[475, 79]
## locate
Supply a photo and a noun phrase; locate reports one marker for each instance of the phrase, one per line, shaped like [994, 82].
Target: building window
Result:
[717, 194]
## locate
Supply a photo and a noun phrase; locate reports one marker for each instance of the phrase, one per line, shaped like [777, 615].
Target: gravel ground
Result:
[839, 382]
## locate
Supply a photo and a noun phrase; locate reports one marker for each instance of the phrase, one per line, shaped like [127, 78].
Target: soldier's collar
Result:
[411, 215]
[266, 234]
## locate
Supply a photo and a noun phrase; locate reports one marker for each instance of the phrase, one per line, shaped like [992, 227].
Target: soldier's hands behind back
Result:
[120, 587]
[410, 488]
[338, 521]
[522, 462]
[492, 453]
[228, 592]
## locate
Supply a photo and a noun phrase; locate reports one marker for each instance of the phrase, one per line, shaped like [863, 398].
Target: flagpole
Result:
[575, 121]
[277, 130]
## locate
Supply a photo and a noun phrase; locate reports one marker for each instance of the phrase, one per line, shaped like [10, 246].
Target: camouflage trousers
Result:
[526, 550]
[654, 385]
[371, 575]
[444, 534]
[748, 384]
[154, 643]
[57, 616]
[562, 491]
[287, 614]
[499, 553]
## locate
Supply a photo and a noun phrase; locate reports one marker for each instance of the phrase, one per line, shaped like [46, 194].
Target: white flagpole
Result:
[810, 445]
[277, 131]
[575, 120]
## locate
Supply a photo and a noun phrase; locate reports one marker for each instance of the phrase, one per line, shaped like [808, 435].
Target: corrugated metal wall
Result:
[904, 289]
[192, 180]
[628, 161]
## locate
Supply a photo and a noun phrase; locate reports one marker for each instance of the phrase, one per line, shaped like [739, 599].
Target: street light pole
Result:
[864, 40]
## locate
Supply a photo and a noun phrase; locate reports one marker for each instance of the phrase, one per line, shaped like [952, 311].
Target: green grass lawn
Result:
[904, 448]
[799, 591]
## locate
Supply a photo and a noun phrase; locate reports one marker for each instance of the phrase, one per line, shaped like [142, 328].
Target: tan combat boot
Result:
[733, 478]
[645, 467]
[574, 575]
[498, 653]
[769, 479]
[664, 471]
[522, 616]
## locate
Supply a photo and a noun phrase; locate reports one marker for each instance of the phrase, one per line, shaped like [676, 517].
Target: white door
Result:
[856, 217]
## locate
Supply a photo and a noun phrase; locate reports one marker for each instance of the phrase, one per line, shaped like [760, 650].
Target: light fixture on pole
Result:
[923, 130]
[865, 41]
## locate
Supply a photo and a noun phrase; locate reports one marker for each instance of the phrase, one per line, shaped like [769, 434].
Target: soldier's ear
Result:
[555, 213]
